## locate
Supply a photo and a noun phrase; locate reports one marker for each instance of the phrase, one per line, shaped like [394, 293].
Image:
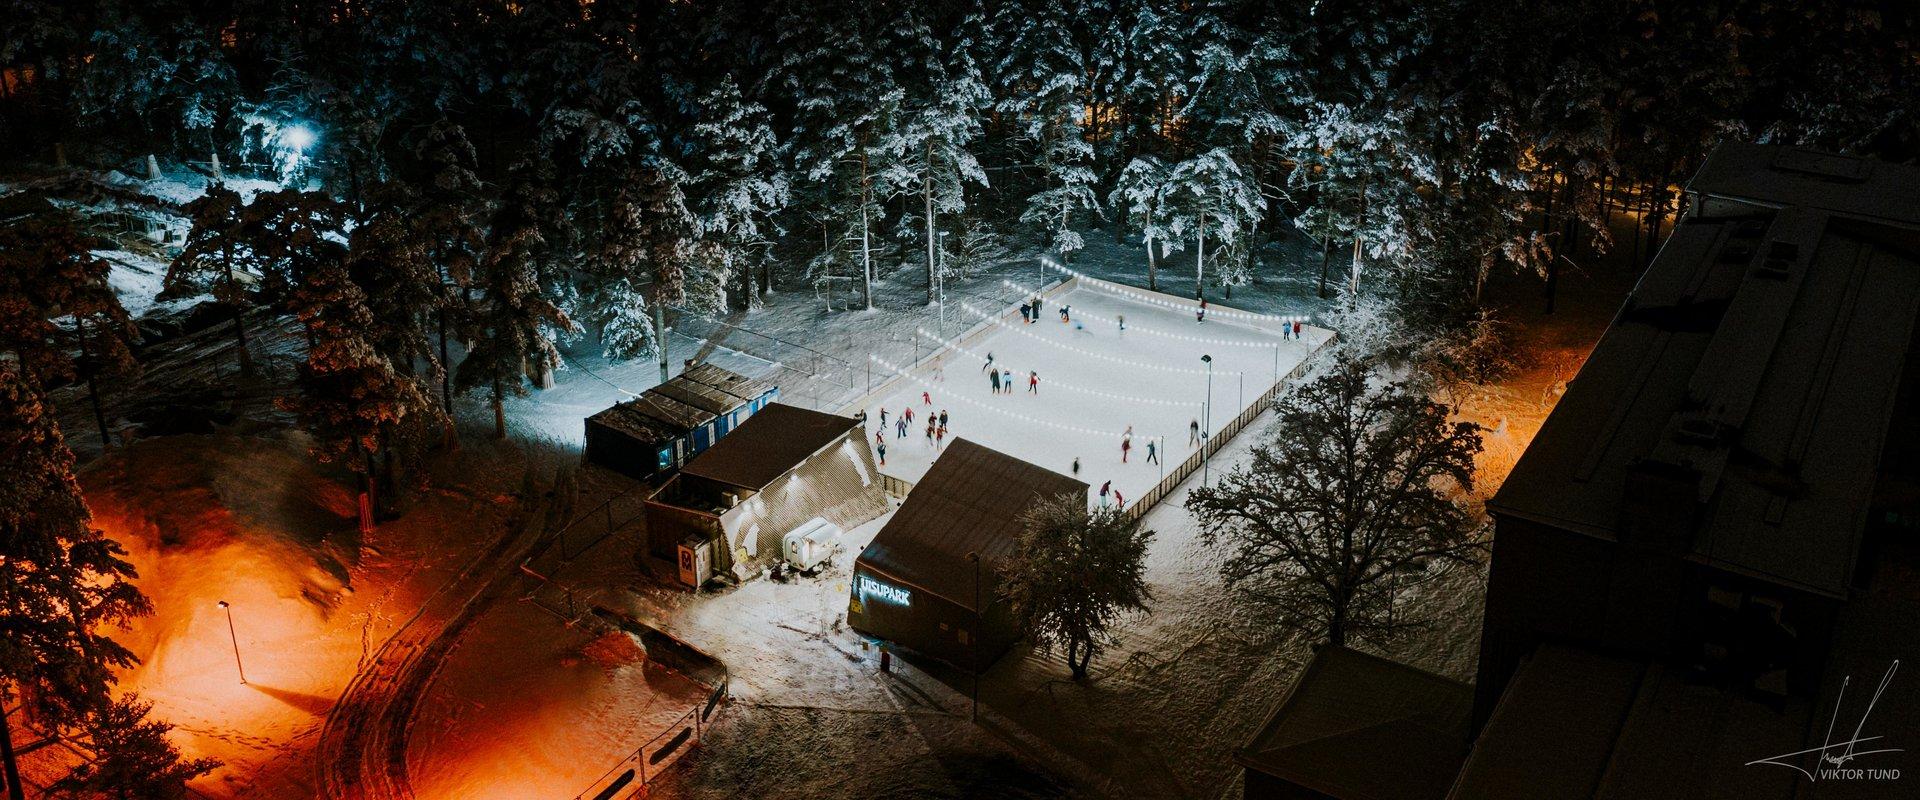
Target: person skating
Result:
[880, 438]
[939, 438]
[1076, 466]
[929, 431]
[1033, 383]
[1026, 312]
[1123, 321]
[1006, 380]
[909, 415]
[989, 364]
[1201, 315]
[883, 454]
[883, 417]
[1118, 501]
[1193, 433]
[993, 376]
[1036, 308]
[1126, 446]
[1066, 314]
[926, 399]
[943, 418]
[1153, 456]
[1296, 329]
[900, 428]
[1286, 331]
[1105, 489]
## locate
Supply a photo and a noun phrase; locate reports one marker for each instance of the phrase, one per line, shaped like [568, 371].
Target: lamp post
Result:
[1206, 426]
[979, 619]
[236, 642]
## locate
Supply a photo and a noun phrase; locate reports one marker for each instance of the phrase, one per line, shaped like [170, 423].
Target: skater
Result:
[926, 399]
[929, 431]
[1126, 446]
[880, 438]
[989, 364]
[900, 428]
[1076, 466]
[1105, 489]
[1296, 329]
[883, 417]
[1036, 308]
[1026, 313]
[1201, 316]
[1033, 383]
[1153, 457]
[939, 438]
[1118, 501]
[1286, 331]
[1006, 380]
[993, 376]
[909, 415]
[1193, 433]
[1066, 314]
[1123, 322]
[943, 418]
[883, 454]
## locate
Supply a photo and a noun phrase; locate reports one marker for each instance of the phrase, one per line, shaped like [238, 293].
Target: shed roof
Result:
[1359, 726]
[1752, 375]
[628, 418]
[775, 439]
[694, 394]
[725, 380]
[970, 501]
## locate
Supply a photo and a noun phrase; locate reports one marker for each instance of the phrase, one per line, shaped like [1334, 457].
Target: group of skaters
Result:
[936, 428]
[1001, 378]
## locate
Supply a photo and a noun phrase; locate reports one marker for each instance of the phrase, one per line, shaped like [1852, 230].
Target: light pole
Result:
[979, 619]
[236, 642]
[1206, 426]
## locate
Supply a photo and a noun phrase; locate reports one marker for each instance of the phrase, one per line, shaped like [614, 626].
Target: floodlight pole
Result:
[224, 606]
[1206, 427]
[979, 620]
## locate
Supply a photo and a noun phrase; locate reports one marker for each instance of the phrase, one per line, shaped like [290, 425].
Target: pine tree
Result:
[512, 319]
[1044, 74]
[741, 184]
[134, 760]
[61, 302]
[1140, 197]
[1210, 197]
[214, 259]
[64, 586]
[944, 95]
[1350, 503]
[1074, 573]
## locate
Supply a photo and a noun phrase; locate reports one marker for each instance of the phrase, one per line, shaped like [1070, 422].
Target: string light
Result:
[995, 319]
[1167, 334]
[1190, 307]
[1070, 387]
[993, 408]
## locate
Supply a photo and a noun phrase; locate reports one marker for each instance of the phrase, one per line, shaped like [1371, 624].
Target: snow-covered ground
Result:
[1096, 382]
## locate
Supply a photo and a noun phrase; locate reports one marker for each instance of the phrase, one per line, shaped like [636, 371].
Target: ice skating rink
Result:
[1096, 380]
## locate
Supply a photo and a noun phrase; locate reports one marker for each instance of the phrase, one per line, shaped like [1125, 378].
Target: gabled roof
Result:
[775, 439]
[1357, 726]
[970, 501]
[702, 397]
[733, 383]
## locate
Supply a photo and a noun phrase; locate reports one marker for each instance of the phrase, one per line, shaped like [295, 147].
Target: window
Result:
[666, 457]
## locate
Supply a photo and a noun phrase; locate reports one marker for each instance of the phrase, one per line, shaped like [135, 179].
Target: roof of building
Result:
[1781, 176]
[1739, 401]
[692, 393]
[1360, 726]
[775, 439]
[733, 383]
[970, 501]
[651, 418]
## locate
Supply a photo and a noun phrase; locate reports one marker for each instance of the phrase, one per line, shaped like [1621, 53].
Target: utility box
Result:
[696, 561]
[811, 544]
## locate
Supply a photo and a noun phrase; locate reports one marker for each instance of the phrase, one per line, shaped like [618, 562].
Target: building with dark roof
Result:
[1711, 534]
[661, 428]
[915, 584]
[1359, 726]
[782, 467]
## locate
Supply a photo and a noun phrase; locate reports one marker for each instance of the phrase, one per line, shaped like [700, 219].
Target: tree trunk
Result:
[1153, 265]
[499, 411]
[239, 314]
[93, 387]
[1326, 260]
[1200, 263]
[926, 186]
[446, 367]
[7, 758]
[660, 335]
[866, 238]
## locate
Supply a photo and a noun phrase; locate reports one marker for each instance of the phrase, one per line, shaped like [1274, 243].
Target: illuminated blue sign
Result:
[871, 589]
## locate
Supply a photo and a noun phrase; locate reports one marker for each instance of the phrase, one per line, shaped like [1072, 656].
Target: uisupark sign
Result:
[871, 589]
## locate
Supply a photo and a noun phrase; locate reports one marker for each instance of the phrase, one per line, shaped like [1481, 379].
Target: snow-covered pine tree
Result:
[61, 302]
[740, 186]
[1139, 196]
[215, 258]
[1207, 197]
[512, 318]
[352, 399]
[1043, 75]
[448, 207]
[136, 761]
[944, 97]
[64, 586]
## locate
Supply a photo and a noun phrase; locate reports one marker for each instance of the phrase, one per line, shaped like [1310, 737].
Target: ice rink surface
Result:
[1095, 382]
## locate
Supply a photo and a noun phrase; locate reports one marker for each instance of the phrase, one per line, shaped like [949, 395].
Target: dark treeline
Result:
[507, 174]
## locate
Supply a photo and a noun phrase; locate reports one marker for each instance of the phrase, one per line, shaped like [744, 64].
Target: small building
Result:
[1360, 727]
[668, 424]
[783, 467]
[915, 585]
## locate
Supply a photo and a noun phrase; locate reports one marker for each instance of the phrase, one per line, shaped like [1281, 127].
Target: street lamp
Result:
[236, 642]
[297, 137]
[1206, 426]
